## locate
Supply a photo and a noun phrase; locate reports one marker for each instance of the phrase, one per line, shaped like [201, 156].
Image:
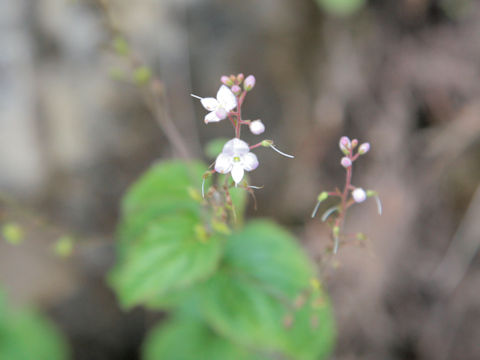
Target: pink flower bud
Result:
[226, 80]
[240, 78]
[359, 195]
[233, 78]
[257, 127]
[249, 83]
[236, 89]
[364, 148]
[345, 144]
[346, 162]
[354, 143]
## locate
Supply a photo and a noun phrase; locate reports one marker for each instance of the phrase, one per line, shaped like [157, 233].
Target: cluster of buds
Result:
[236, 157]
[351, 194]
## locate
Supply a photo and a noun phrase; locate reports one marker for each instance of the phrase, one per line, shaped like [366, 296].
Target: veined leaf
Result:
[25, 335]
[186, 338]
[168, 257]
[250, 297]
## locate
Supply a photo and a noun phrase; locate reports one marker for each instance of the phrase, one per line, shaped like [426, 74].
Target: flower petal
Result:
[226, 98]
[237, 173]
[236, 147]
[250, 161]
[221, 113]
[210, 103]
[223, 164]
[211, 117]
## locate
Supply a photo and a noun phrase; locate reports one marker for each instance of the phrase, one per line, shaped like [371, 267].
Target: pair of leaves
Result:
[245, 303]
[26, 335]
[231, 295]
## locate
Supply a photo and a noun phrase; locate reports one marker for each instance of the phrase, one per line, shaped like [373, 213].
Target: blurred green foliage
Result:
[26, 335]
[120, 45]
[341, 7]
[142, 75]
[12, 233]
[235, 292]
[63, 247]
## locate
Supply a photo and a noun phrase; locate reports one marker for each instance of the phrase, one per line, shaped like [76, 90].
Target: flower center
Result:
[236, 159]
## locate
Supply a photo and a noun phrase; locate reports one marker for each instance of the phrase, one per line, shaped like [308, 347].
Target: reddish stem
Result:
[256, 145]
[344, 195]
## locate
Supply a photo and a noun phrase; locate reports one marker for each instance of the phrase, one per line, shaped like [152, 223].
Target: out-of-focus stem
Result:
[155, 99]
[154, 95]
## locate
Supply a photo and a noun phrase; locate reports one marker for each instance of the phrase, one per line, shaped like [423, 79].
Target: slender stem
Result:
[240, 100]
[154, 95]
[334, 193]
[256, 145]
[344, 204]
[232, 121]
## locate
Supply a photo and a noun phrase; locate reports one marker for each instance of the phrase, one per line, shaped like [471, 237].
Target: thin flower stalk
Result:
[350, 194]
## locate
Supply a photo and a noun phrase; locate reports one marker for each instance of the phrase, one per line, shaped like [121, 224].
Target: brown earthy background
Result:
[401, 74]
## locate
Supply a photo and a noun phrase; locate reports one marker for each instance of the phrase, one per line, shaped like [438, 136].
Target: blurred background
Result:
[401, 74]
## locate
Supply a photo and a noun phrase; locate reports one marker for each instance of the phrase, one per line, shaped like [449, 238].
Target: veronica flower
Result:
[219, 107]
[235, 158]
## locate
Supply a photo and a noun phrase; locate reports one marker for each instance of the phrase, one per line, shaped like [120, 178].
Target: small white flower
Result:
[236, 158]
[219, 107]
[359, 195]
[257, 127]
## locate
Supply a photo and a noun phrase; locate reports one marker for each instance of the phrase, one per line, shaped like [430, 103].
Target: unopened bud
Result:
[336, 231]
[346, 162]
[371, 193]
[323, 196]
[364, 148]
[359, 195]
[233, 78]
[240, 78]
[226, 80]
[257, 127]
[345, 145]
[249, 83]
[236, 89]
[354, 143]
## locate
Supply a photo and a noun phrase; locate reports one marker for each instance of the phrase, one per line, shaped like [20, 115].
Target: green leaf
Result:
[185, 338]
[168, 257]
[25, 335]
[341, 7]
[247, 301]
[166, 181]
[164, 245]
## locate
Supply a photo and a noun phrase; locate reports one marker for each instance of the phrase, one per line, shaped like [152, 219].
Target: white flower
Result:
[359, 195]
[257, 127]
[236, 158]
[219, 107]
